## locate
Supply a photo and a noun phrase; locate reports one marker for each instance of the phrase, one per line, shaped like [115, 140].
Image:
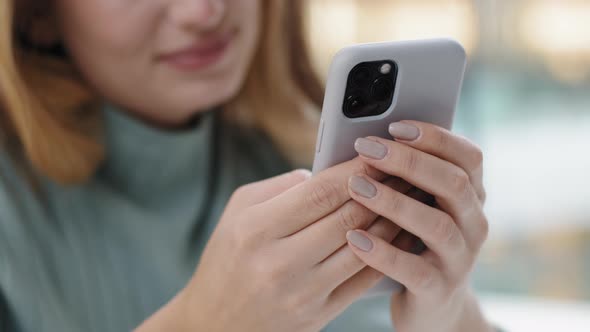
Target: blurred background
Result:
[526, 102]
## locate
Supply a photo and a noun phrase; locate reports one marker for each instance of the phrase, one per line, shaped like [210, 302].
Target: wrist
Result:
[471, 317]
[171, 317]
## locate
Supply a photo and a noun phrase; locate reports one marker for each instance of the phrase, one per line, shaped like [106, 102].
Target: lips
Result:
[201, 54]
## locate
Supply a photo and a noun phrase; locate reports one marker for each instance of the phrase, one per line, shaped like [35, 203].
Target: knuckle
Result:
[350, 216]
[236, 194]
[476, 157]
[461, 183]
[483, 196]
[410, 160]
[396, 204]
[323, 195]
[444, 230]
[484, 230]
[441, 140]
[241, 191]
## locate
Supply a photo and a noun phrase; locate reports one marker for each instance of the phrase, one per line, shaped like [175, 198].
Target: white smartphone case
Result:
[429, 79]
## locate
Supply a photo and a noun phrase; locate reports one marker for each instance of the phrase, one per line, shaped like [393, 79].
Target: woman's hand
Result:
[278, 259]
[449, 167]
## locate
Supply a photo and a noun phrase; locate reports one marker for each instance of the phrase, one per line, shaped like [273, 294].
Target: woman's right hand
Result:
[278, 259]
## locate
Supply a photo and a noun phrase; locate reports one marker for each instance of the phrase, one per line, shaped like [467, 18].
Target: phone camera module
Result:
[370, 88]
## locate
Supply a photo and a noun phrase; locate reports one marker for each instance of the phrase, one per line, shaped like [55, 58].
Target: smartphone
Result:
[369, 86]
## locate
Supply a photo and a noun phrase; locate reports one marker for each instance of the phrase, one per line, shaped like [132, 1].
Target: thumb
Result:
[258, 192]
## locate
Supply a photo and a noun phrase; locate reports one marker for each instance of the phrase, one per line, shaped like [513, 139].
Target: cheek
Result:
[107, 27]
[111, 42]
[106, 36]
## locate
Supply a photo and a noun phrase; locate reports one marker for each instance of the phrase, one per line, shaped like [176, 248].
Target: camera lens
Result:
[361, 76]
[382, 89]
[354, 105]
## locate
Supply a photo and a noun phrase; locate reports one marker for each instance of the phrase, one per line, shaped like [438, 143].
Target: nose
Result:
[198, 14]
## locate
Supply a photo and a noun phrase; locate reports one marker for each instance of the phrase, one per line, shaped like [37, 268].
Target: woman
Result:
[127, 126]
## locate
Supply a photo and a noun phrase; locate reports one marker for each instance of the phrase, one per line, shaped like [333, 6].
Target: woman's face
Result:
[163, 60]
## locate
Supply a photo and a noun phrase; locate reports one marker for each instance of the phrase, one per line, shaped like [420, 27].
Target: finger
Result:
[447, 182]
[329, 233]
[444, 144]
[258, 192]
[344, 264]
[436, 228]
[412, 271]
[314, 199]
[351, 289]
[407, 241]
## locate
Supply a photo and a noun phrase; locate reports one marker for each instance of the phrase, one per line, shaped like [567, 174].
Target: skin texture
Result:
[286, 236]
[118, 44]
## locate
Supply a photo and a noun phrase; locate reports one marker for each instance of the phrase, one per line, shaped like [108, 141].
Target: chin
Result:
[213, 96]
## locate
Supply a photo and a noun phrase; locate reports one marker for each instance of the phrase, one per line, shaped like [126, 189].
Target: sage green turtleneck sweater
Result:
[104, 255]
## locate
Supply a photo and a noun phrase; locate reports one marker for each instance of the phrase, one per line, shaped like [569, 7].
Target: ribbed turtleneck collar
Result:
[150, 163]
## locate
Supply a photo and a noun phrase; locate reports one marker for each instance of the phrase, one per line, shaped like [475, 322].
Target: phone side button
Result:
[320, 136]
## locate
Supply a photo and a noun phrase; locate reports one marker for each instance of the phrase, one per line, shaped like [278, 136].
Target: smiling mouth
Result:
[201, 54]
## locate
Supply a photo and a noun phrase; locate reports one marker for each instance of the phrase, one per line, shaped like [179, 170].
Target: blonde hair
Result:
[50, 117]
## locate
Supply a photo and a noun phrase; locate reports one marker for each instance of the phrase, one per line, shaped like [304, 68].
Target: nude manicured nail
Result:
[369, 148]
[404, 131]
[362, 187]
[359, 240]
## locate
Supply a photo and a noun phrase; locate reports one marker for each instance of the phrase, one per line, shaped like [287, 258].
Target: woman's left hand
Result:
[437, 295]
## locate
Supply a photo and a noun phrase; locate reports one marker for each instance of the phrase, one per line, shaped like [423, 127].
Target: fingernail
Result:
[404, 131]
[369, 148]
[362, 187]
[305, 172]
[359, 240]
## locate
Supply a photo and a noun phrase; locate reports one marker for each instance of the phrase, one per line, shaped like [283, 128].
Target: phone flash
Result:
[385, 68]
